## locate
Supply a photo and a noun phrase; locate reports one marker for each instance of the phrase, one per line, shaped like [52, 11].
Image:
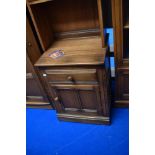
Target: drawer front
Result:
[71, 76]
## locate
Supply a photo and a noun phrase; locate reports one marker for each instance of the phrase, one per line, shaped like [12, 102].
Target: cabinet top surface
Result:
[77, 51]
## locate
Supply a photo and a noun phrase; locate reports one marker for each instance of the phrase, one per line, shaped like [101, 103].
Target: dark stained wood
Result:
[120, 14]
[66, 18]
[83, 118]
[39, 106]
[35, 94]
[77, 82]
[119, 32]
[99, 2]
[122, 82]
[79, 33]
[42, 27]
[121, 104]
[125, 13]
[71, 76]
[70, 15]
[126, 25]
[32, 2]
[81, 96]
[32, 47]
[77, 51]
[107, 13]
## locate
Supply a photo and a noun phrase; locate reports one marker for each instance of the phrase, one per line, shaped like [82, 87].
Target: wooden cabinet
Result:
[120, 14]
[77, 80]
[78, 97]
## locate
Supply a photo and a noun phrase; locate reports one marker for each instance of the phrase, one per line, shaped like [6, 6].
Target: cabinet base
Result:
[84, 118]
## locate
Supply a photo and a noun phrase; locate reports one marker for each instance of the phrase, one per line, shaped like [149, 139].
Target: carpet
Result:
[45, 135]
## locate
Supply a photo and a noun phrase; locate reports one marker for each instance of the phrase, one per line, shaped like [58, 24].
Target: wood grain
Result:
[76, 52]
[34, 90]
[32, 47]
[71, 76]
[120, 14]
[99, 2]
[60, 18]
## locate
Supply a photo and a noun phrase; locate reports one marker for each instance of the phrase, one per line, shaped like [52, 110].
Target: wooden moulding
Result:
[84, 118]
[32, 2]
[39, 106]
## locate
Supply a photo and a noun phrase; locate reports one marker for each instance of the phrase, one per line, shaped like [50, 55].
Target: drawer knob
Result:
[56, 99]
[69, 78]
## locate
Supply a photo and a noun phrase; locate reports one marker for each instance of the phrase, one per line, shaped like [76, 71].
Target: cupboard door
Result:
[78, 98]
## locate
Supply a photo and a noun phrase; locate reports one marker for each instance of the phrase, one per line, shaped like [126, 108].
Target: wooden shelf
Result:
[32, 2]
[77, 51]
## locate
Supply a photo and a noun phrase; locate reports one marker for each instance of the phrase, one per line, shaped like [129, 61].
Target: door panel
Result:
[88, 99]
[81, 98]
[68, 98]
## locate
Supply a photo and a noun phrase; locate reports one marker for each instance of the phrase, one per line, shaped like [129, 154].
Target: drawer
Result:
[71, 76]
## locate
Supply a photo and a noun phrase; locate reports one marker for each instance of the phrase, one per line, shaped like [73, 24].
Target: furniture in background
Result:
[120, 17]
[77, 82]
[35, 95]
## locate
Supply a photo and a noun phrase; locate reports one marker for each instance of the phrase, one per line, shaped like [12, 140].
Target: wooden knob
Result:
[56, 99]
[69, 78]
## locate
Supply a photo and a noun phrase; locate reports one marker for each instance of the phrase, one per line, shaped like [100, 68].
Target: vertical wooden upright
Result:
[120, 16]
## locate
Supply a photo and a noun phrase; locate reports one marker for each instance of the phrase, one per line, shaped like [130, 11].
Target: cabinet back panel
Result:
[70, 15]
[40, 14]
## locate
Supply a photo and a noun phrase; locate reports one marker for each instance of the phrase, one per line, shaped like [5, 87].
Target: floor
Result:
[48, 136]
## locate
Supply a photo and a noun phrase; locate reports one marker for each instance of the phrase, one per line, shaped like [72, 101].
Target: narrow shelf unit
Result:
[55, 20]
[120, 13]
